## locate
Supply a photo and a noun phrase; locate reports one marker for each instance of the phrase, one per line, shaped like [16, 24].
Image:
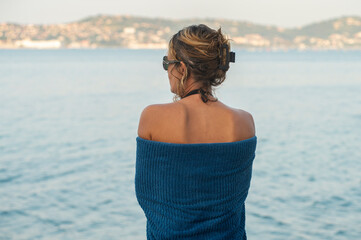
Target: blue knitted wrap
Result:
[194, 191]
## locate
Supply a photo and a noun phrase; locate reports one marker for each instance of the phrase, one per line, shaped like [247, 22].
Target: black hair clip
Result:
[230, 57]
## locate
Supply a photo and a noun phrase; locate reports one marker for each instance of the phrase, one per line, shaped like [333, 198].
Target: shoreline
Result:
[234, 48]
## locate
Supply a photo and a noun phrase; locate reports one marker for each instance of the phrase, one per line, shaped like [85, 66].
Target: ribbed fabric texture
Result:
[194, 191]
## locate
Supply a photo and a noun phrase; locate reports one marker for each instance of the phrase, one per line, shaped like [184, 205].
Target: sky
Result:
[282, 13]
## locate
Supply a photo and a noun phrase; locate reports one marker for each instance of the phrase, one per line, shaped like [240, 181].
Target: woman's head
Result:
[199, 53]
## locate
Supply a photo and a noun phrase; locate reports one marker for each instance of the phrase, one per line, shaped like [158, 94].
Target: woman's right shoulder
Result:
[245, 119]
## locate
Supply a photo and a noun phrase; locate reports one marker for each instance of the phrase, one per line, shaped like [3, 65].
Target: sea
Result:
[68, 128]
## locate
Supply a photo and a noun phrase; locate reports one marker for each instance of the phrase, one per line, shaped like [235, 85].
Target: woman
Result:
[195, 155]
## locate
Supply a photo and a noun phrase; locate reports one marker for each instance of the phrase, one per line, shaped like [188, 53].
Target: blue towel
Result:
[194, 191]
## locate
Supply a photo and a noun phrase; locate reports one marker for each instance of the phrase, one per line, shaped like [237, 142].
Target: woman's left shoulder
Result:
[151, 117]
[152, 111]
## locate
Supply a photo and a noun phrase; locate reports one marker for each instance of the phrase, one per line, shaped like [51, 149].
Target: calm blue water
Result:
[69, 118]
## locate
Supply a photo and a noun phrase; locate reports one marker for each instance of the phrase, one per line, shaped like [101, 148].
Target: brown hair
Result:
[200, 48]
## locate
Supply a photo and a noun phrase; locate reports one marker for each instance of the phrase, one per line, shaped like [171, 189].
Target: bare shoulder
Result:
[245, 119]
[151, 117]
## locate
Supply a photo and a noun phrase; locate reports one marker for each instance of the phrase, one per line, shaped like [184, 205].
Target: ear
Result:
[183, 67]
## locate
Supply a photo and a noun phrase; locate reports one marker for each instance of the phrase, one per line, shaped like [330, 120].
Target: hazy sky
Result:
[283, 13]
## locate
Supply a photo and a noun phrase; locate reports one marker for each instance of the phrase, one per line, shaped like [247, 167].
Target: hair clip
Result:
[230, 57]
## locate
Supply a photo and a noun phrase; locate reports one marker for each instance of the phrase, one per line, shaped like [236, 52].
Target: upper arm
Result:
[247, 121]
[146, 121]
[251, 120]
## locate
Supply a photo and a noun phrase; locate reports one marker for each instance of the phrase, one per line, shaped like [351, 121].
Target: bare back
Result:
[191, 121]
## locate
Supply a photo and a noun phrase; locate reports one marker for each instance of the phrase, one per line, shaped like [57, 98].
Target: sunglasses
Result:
[166, 62]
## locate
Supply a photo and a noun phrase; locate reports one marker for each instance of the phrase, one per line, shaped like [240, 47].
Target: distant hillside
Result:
[141, 32]
[347, 26]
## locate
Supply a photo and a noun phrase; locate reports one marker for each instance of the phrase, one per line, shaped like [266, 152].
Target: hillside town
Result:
[142, 33]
